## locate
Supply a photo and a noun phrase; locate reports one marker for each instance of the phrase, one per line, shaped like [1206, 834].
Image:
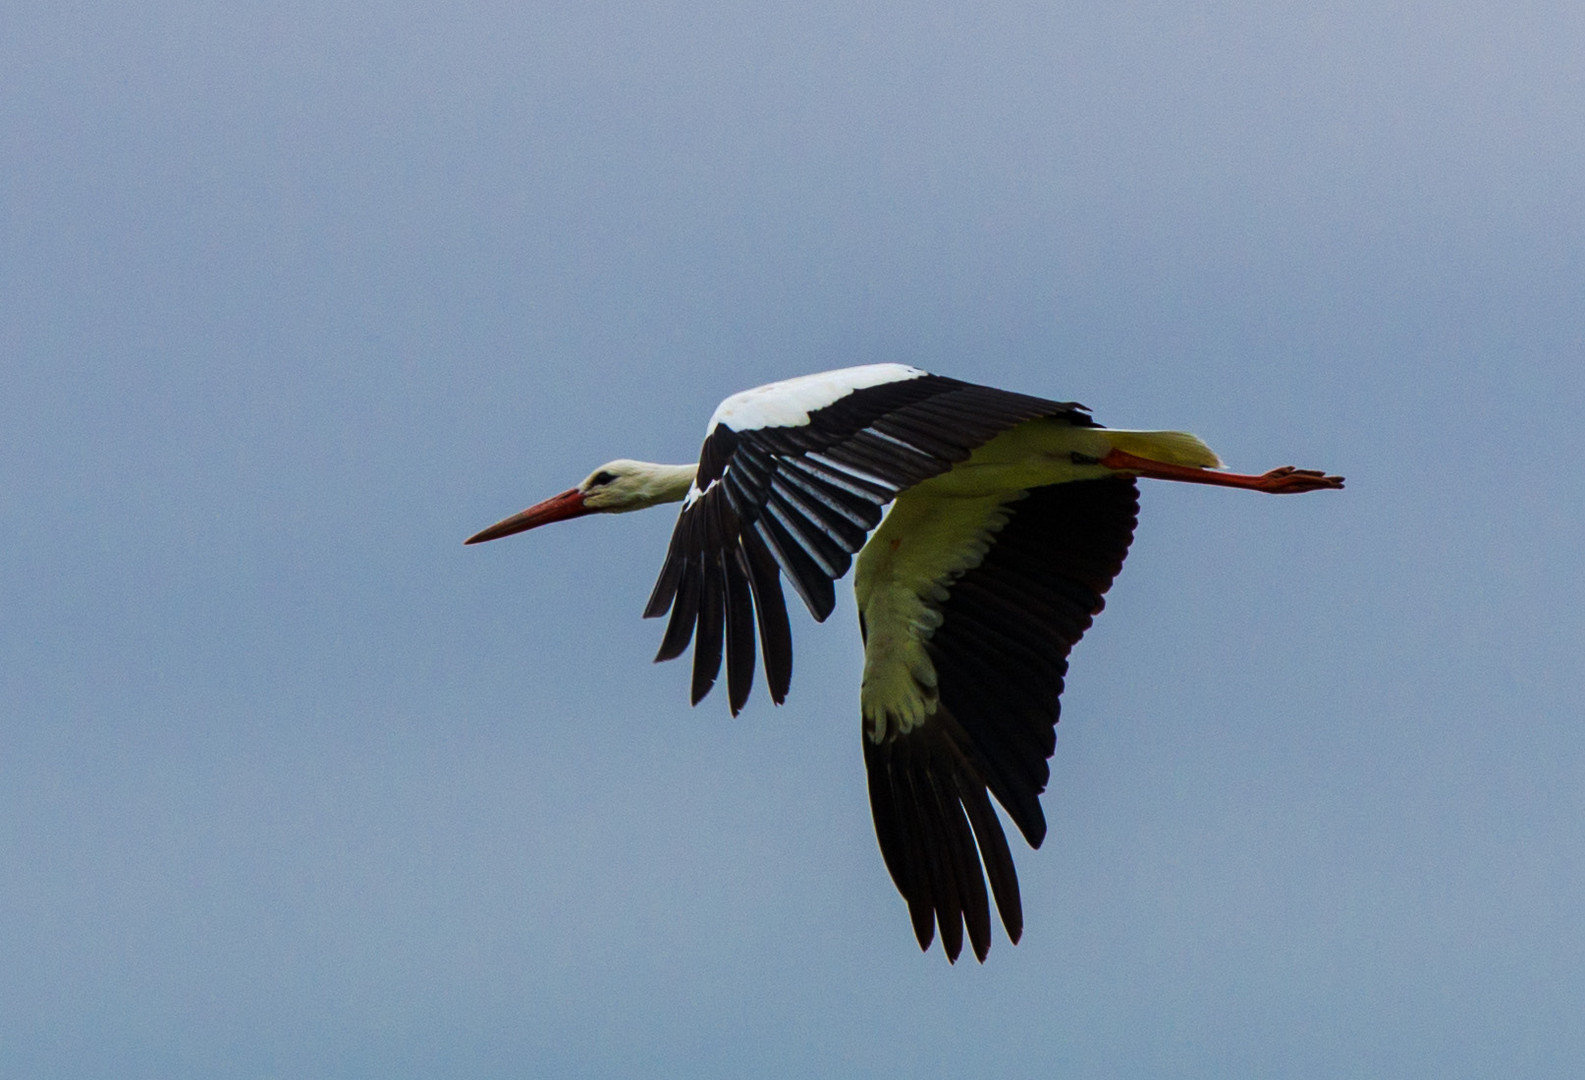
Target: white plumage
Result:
[789, 402]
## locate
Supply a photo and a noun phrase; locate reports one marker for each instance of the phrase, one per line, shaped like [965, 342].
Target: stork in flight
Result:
[1010, 516]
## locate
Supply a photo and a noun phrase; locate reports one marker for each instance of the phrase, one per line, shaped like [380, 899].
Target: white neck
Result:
[668, 483]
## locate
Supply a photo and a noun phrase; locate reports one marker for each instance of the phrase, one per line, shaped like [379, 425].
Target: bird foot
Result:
[1290, 481]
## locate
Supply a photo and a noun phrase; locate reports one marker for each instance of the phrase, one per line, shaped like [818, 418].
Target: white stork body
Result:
[1009, 518]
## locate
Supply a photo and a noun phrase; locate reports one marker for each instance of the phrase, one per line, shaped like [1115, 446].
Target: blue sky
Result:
[294, 297]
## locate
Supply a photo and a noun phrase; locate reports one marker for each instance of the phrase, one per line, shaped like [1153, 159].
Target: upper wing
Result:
[792, 477]
[1000, 655]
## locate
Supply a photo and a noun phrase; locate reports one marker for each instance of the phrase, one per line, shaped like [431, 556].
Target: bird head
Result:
[614, 488]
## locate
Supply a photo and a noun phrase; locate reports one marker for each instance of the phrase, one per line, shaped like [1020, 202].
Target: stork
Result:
[1009, 518]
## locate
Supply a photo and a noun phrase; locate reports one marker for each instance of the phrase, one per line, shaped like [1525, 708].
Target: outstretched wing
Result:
[1000, 654]
[792, 477]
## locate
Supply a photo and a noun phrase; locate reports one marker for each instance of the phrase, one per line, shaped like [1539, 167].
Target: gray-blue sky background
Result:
[293, 297]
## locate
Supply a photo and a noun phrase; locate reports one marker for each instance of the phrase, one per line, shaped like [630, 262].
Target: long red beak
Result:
[569, 504]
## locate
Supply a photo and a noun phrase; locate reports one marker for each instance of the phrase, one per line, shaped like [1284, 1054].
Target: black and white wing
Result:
[1000, 654]
[792, 477]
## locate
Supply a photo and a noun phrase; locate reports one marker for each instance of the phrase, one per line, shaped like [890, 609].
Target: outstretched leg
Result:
[1284, 481]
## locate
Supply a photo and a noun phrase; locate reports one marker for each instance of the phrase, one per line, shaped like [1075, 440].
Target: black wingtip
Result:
[924, 920]
[826, 603]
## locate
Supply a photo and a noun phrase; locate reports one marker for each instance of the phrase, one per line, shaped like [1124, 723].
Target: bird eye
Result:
[601, 478]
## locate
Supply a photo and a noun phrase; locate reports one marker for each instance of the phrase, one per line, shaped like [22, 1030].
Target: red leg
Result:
[1284, 481]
